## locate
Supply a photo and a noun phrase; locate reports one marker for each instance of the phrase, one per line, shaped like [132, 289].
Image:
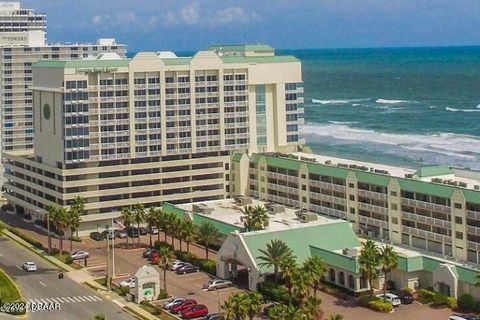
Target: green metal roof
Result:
[323, 236]
[236, 157]
[242, 47]
[273, 59]
[181, 61]
[434, 189]
[433, 171]
[285, 163]
[82, 63]
[471, 196]
[372, 178]
[336, 259]
[326, 170]
[170, 208]
[223, 227]
[467, 275]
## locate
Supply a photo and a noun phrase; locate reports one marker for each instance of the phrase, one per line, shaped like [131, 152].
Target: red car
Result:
[199, 310]
[184, 305]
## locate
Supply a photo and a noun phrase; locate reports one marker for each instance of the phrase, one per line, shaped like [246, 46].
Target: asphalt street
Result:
[76, 301]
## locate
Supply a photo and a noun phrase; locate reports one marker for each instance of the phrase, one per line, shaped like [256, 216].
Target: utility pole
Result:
[108, 262]
[113, 251]
[49, 236]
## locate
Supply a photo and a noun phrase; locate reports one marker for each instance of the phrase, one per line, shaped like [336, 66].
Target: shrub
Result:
[466, 302]
[124, 290]
[380, 306]
[440, 299]
[33, 242]
[163, 294]
[208, 266]
[68, 260]
[186, 256]
[426, 296]
[157, 244]
[408, 290]
[364, 300]
[273, 292]
[452, 303]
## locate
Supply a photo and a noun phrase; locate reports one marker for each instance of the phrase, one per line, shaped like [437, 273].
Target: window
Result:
[394, 220]
[458, 220]
[394, 206]
[304, 187]
[393, 193]
[458, 205]
[352, 210]
[352, 197]
[351, 185]
[459, 235]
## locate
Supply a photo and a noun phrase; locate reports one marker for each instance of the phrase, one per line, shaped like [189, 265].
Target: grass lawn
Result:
[8, 291]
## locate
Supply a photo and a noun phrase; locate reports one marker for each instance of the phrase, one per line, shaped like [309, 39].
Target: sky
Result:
[184, 25]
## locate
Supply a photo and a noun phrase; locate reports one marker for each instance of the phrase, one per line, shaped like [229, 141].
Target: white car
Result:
[29, 266]
[216, 284]
[80, 255]
[153, 230]
[130, 282]
[177, 264]
[390, 297]
[172, 302]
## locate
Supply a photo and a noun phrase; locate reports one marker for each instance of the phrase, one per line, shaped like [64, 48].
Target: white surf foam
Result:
[448, 144]
[342, 122]
[461, 110]
[337, 101]
[386, 101]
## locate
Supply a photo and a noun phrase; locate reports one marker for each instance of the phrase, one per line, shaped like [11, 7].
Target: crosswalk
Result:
[67, 299]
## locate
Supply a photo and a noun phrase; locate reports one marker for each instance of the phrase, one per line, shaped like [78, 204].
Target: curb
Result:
[22, 298]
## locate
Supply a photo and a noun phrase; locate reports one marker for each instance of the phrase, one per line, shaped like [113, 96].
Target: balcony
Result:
[373, 222]
[426, 205]
[284, 201]
[372, 195]
[473, 245]
[328, 211]
[372, 208]
[473, 230]
[426, 234]
[283, 177]
[427, 220]
[473, 214]
[326, 197]
[281, 188]
[327, 185]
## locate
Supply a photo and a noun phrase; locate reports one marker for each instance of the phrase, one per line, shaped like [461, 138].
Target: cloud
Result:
[235, 14]
[121, 18]
[191, 13]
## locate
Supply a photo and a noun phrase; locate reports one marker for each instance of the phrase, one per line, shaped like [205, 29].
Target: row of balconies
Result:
[426, 205]
[282, 200]
[328, 211]
[328, 198]
[283, 177]
[426, 234]
[372, 221]
[372, 195]
[327, 185]
[426, 220]
[281, 188]
[372, 208]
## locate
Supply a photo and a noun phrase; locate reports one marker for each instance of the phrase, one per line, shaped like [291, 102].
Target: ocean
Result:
[409, 107]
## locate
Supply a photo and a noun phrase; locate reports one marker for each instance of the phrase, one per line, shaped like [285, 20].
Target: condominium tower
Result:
[154, 128]
[22, 43]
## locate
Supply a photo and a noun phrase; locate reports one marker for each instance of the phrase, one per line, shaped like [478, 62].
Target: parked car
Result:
[199, 310]
[133, 233]
[143, 231]
[405, 297]
[130, 282]
[463, 317]
[179, 265]
[215, 284]
[184, 305]
[187, 269]
[29, 266]
[122, 234]
[108, 234]
[173, 302]
[80, 255]
[214, 316]
[97, 236]
[390, 297]
[147, 251]
[153, 230]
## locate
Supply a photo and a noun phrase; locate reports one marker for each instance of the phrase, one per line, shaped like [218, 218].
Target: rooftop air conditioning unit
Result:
[243, 201]
[275, 208]
[202, 208]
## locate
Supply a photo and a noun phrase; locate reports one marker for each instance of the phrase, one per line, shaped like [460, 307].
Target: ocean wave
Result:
[337, 101]
[432, 107]
[461, 110]
[386, 101]
[456, 149]
[342, 122]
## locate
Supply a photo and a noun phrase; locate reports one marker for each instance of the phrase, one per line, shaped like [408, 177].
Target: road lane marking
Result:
[70, 299]
[88, 298]
[81, 298]
[77, 299]
[19, 267]
[96, 298]
[55, 300]
[43, 284]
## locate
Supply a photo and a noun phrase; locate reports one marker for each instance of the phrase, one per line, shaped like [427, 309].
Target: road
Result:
[76, 301]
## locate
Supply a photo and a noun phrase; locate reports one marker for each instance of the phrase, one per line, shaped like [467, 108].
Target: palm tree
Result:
[335, 317]
[369, 261]
[78, 205]
[301, 283]
[138, 216]
[170, 225]
[235, 307]
[283, 311]
[207, 234]
[315, 267]
[188, 232]
[312, 309]
[50, 213]
[253, 304]
[288, 267]
[72, 222]
[127, 218]
[255, 218]
[389, 262]
[58, 217]
[275, 253]
[166, 257]
[176, 228]
[159, 218]
[151, 219]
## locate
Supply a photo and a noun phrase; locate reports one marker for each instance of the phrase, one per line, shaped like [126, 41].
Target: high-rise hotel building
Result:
[22, 43]
[151, 129]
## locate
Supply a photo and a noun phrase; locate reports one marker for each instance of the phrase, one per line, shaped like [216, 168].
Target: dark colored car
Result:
[180, 265]
[199, 310]
[122, 234]
[184, 305]
[143, 231]
[187, 269]
[133, 233]
[146, 252]
[97, 236]
[214, 316]
[109, 234]
[405, 297]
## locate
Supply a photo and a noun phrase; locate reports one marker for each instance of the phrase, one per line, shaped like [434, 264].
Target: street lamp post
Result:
[49, 244]
[218, 299]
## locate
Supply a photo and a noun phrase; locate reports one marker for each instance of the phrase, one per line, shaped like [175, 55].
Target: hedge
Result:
[466, 302]
[426, 296]
[273, 292]
[208, 266]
